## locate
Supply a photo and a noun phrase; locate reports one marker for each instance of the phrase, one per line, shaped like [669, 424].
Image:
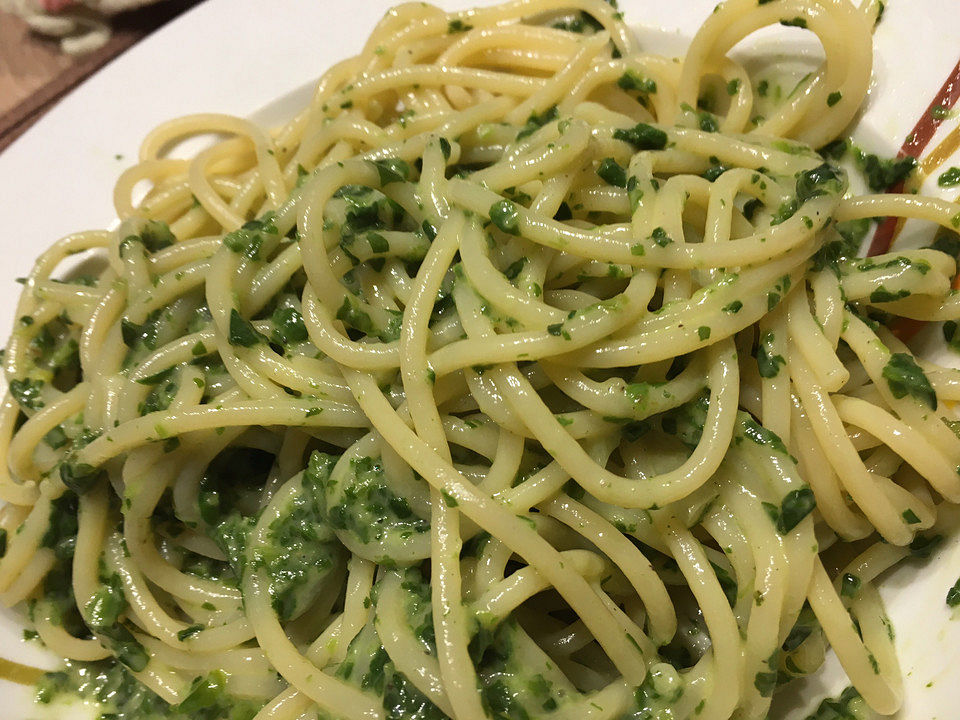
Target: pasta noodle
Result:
[522, 374]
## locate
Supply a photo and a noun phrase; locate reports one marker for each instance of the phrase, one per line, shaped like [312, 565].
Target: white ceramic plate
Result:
[251, 58]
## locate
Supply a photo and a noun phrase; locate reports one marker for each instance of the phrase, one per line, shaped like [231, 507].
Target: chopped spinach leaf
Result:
[642, 136]
[904, 377]
[242, 332]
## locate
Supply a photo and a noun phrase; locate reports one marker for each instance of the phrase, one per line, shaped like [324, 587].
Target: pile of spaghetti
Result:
[521, 375]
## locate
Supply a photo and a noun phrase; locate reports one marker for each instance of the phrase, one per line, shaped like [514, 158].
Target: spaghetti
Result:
[522, 374]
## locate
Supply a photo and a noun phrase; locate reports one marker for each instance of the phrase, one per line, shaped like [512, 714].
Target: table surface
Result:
[35, 73]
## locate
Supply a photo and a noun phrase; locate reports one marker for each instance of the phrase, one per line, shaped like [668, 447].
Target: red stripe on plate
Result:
[913, 145]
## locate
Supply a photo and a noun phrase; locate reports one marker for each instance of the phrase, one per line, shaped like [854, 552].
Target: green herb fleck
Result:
[904, 377]
[189, 631]
[288, 327]
[27, 392]
[537, 121]
[882, 295]
[910, 517]
[630, 80]
[953, 595]
[660, 237]
[391, 170]
[79, 477]
[242, 332]
[950, 178]
[642, 136]
[458, 26]
[610, 171]
[850, 585]
[505, 216]
[884, 173]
